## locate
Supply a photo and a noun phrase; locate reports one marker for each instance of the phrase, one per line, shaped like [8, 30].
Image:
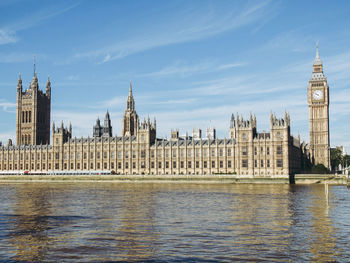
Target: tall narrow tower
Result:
[318, 100]
[130, 119]
[33, 113]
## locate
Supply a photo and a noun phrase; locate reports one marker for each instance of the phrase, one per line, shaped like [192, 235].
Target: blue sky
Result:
[191, 63]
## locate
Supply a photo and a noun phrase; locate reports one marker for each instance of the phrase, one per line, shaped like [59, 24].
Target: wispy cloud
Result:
[18, 57]
[182, 69]
[7, 106]
[194, 27]
[4, 136]
[8, 33]
[7, 37]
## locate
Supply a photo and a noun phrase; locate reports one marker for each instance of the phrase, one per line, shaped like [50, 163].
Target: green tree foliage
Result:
[319, 169]
[336, 158]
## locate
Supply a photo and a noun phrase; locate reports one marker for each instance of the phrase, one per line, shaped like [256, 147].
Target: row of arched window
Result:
[26, 139]
[26, 116]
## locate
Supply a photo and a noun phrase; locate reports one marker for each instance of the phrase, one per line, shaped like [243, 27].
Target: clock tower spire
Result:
[318, 100]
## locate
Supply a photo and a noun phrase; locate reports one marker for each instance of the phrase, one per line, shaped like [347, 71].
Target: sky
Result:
[191, 63]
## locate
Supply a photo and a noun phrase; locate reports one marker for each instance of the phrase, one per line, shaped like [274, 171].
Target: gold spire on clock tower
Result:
[318, 100]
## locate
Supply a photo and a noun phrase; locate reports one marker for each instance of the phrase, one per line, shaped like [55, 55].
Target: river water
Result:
[161, 222]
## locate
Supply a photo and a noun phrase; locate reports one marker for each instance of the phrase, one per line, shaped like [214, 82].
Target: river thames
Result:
[173, 222]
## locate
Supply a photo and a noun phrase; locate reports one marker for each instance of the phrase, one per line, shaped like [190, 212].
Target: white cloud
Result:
[8, 106]
[194, 27]
[184, 70]
[7, 37]
[8, 33]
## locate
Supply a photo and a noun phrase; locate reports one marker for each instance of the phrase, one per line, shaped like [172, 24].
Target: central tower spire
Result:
[130, 119]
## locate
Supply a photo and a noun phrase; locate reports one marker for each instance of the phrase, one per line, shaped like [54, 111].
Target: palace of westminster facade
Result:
[138, 151]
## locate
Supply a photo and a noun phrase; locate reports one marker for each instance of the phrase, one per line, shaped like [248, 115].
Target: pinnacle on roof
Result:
[317, 60]
[107, 115]
[130, 90]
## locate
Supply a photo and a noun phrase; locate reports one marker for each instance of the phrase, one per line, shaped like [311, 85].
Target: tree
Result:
[319, 169]
[336, 158]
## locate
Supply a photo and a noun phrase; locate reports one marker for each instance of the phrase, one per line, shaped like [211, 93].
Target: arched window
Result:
[26, 116]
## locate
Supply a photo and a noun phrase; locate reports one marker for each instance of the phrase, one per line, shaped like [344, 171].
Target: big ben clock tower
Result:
[318, 100]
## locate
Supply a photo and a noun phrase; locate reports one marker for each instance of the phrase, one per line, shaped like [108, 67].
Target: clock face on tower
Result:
[317, 94]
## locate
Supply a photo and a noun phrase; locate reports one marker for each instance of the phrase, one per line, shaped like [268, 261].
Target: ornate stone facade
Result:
[33, 113]
[246, 152]
[318, 100]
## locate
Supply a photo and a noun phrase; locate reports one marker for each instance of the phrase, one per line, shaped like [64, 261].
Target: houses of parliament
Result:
[245, 153]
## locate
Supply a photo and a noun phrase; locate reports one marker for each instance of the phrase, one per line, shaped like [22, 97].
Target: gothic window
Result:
[174, 153]
[197, 152]
[98, 155]
[268, 150]
[268, 163]
[30, 116]
[105, 166]
[189, 153]
[244, 151]
[221, 164]
[229, 164]
[279, 150]
[152, 165]
[279, 163]
[197, 164]
[205, 164]
[205, 152]
[143, 154]
[213, 153]
[152, 153]
[245, 163]
[119, 165]
[255, 151]
[189, 164]
[262, 163]
[166, 164]
[78, 156]
[213, 164]
[174, 164]
[181, 164]
[255, 163]
[159, 165]
[221, 152]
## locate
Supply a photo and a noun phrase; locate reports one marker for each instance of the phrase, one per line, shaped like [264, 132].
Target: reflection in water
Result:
[172, 222]
[323, 240]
